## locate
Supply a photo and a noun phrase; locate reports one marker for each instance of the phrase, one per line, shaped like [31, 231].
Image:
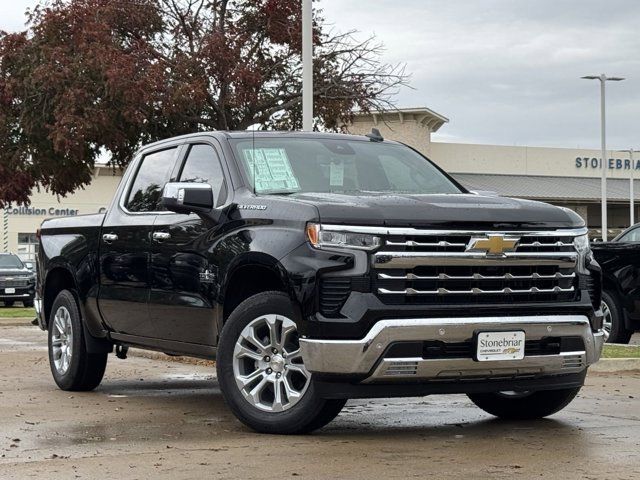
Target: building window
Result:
[27, 246]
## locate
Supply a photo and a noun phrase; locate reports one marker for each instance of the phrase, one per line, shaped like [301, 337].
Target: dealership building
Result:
[562, 176]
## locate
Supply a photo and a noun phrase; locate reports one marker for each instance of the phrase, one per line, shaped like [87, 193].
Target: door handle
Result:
[109, 237]
[161, 236]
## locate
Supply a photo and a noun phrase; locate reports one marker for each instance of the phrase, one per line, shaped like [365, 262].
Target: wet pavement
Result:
[156, 419]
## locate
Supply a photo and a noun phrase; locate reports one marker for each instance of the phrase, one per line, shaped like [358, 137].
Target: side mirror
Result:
[29, 265]
[186, 197]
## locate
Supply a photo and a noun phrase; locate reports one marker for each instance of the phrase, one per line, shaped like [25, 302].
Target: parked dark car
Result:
[620, 263]
[17, 281]
[321, 267]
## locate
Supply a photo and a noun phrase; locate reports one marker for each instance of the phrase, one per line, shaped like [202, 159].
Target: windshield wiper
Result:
[278, 193]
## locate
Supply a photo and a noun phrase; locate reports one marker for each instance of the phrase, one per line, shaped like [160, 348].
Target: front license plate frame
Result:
[500, 345]
[9, 291]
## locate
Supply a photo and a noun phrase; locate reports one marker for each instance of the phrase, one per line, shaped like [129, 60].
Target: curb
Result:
[15, 321]
[615, 365]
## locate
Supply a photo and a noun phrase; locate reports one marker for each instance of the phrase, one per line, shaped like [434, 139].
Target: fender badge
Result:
[252, 207]
[207, 277]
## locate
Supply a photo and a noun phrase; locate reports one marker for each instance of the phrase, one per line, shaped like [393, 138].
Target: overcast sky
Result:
[503, 71]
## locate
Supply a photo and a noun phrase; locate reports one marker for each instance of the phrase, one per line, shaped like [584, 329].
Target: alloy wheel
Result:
[607, 321]
[268, 365]
[62, 340]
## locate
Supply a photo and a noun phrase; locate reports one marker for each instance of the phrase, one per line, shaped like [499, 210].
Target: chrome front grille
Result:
[431, 267]
[476, 291]
[13, 282]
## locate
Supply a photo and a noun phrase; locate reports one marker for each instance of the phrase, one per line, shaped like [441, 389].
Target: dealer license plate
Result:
[500, 346]
[9, 290]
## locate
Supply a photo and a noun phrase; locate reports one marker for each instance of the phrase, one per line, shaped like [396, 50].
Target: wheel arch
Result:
[251, 274]
[611, 286]
[58, 278]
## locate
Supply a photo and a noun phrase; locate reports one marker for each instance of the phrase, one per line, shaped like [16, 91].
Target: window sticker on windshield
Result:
[336, 174]
[272, 169]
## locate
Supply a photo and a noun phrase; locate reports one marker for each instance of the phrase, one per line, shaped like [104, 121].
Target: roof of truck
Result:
[265, 134]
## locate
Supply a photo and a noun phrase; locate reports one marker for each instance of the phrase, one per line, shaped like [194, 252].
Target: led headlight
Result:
[320, 238]
[581, 243]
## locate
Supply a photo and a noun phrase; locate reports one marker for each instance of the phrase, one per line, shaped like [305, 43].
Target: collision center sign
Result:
[46, 212]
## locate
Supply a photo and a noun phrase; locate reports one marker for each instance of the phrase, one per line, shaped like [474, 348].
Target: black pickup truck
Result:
[321, 267]
[620, 263]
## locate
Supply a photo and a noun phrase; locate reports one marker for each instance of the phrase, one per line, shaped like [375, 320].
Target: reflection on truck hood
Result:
[464, 210]
[19, 272]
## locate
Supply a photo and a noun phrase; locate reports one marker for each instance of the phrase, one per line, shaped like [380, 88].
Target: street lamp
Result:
[631, 194]
[307, 66]
[603, 79]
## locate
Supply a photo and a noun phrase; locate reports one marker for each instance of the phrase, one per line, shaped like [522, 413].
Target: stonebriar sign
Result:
[612, 164]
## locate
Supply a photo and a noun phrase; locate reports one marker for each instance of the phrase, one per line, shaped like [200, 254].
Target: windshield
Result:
[302, 165]
[10, 261]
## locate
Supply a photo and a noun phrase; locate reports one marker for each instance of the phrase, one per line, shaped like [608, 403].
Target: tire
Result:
[28, 303]
[524, 406]
[238, 359]
[80, 370]
[614, 319]
[8, 303]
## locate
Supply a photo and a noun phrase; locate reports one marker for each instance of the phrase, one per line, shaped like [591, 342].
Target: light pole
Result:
[603, 79]
[631, 194]
[307, 66]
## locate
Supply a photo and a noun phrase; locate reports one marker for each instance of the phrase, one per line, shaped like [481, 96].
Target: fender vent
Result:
[334, 292]
[593, 286]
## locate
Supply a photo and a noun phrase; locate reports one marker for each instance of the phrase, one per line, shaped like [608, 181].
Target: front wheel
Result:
[261, 371]
[28, 303]
[73, 368]
[8, 303]
[524, 405]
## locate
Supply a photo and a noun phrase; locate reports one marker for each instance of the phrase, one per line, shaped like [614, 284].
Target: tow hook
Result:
[121, 351]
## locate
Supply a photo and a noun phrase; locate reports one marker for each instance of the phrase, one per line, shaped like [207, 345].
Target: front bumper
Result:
[364, 360]
[18, 295]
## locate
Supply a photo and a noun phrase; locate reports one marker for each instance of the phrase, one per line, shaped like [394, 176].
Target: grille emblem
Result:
[493, 244]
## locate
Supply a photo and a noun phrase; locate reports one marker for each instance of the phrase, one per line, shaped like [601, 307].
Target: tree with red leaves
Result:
[95, 77]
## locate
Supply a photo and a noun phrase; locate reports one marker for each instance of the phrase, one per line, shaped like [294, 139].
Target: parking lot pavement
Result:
[155, 419]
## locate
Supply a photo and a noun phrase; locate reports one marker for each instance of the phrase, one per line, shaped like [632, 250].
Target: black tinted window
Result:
[202, 166]
[631, 236]
[147, 187]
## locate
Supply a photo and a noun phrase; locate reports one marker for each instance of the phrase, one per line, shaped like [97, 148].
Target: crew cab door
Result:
[126, 243]
[183, 278]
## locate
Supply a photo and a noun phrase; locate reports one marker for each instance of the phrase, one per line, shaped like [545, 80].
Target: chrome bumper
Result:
[365, 356]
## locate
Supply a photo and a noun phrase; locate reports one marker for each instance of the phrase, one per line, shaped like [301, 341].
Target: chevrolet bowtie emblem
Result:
[493, 244]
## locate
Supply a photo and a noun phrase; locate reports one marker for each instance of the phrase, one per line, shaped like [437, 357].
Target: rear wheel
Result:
[613, 322]
[524, 405]
[73, 368]
[261, 371]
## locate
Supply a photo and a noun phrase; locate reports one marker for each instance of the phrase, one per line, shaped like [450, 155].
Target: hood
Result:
[440, 211]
